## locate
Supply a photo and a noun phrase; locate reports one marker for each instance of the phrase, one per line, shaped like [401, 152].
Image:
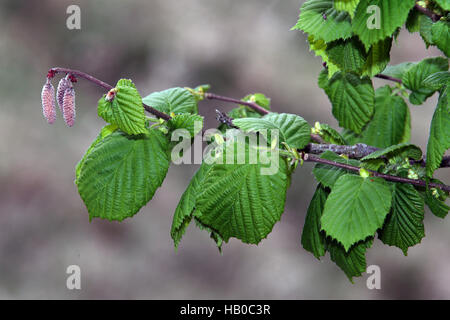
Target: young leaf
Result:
[121, 174]
[176, 100]
[356, 208]
[328, 175]
[320, 19]
[258, 98]
[353, 261]
[313, 240]
[371, 27]
[439, 140]
[436, 206]
[414, 77]
[330, 135]
[239, 200]
[319, 47]
[352, 98]
[440, 32]
[404, 226]
[346, 5]
[191, 122]
[106, 131]
[389, 121]
[293, 129]
[125, 109]
[403, 150]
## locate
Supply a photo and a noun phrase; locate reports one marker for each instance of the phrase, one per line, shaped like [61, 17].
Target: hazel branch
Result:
[53, 71]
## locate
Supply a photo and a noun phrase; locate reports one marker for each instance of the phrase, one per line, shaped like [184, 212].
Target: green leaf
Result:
[125, 109]
[313, 240]
[389, 121]
[184, 211]
[240, 200]
[328, 175]
[352, 99]
[346, 5]
[176, 100]
[319, 47]
[330, 135]
[436, 206]
[121, 174]
[414, 77]
[348, 55]
[378, 57]
[212, 234]
[404, 226]
[293, 129]
[437, 80]
[191, 122]
[413, 21]
[445, 4]
[439, 140]
[106, 131]
[392, 15]
[356, 208]
[426, 25]
[258, 98]
[353, 261]
[403, 150]
[398, 70]
[440, 32]
[320, 19]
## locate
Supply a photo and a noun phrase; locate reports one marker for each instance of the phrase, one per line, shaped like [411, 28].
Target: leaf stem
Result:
[385, 77]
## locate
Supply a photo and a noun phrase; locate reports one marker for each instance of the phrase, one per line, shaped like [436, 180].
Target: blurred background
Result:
[238, 47]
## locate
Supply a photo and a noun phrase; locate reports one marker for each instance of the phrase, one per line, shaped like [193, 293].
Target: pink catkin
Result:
[48, 102]
[63, 84]
[69, 106]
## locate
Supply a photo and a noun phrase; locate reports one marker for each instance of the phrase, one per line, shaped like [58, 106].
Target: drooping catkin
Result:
[48, 102]
[63, 84]
[69, 106]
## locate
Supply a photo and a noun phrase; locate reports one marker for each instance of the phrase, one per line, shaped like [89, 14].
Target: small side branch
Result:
[434, 16]
[103, 85]
[385, 77]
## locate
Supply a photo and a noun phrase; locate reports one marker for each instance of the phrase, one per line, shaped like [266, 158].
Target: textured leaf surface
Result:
[125, 110]
[404, 226]
[106, 131]
[353, 261]
[319, 47]
[293, 129]
[389, 121]
[348, 55]
[320, 19]
[398, 70]
[352, 99]
[445, 4]
[393, 14]
[176, 100]
[403, 149]
[414, 77]
[436, 206]
[313, 240]
[439, 140]
[122, 172]
[236, 200]
[191, 122]
[346, 5]
[328, 175]
[355, 208]
[184, 211]
[437, 80]
[378, 57]
[440, 32]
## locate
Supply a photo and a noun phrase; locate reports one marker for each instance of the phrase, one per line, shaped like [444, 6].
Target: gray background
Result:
[238, 47]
